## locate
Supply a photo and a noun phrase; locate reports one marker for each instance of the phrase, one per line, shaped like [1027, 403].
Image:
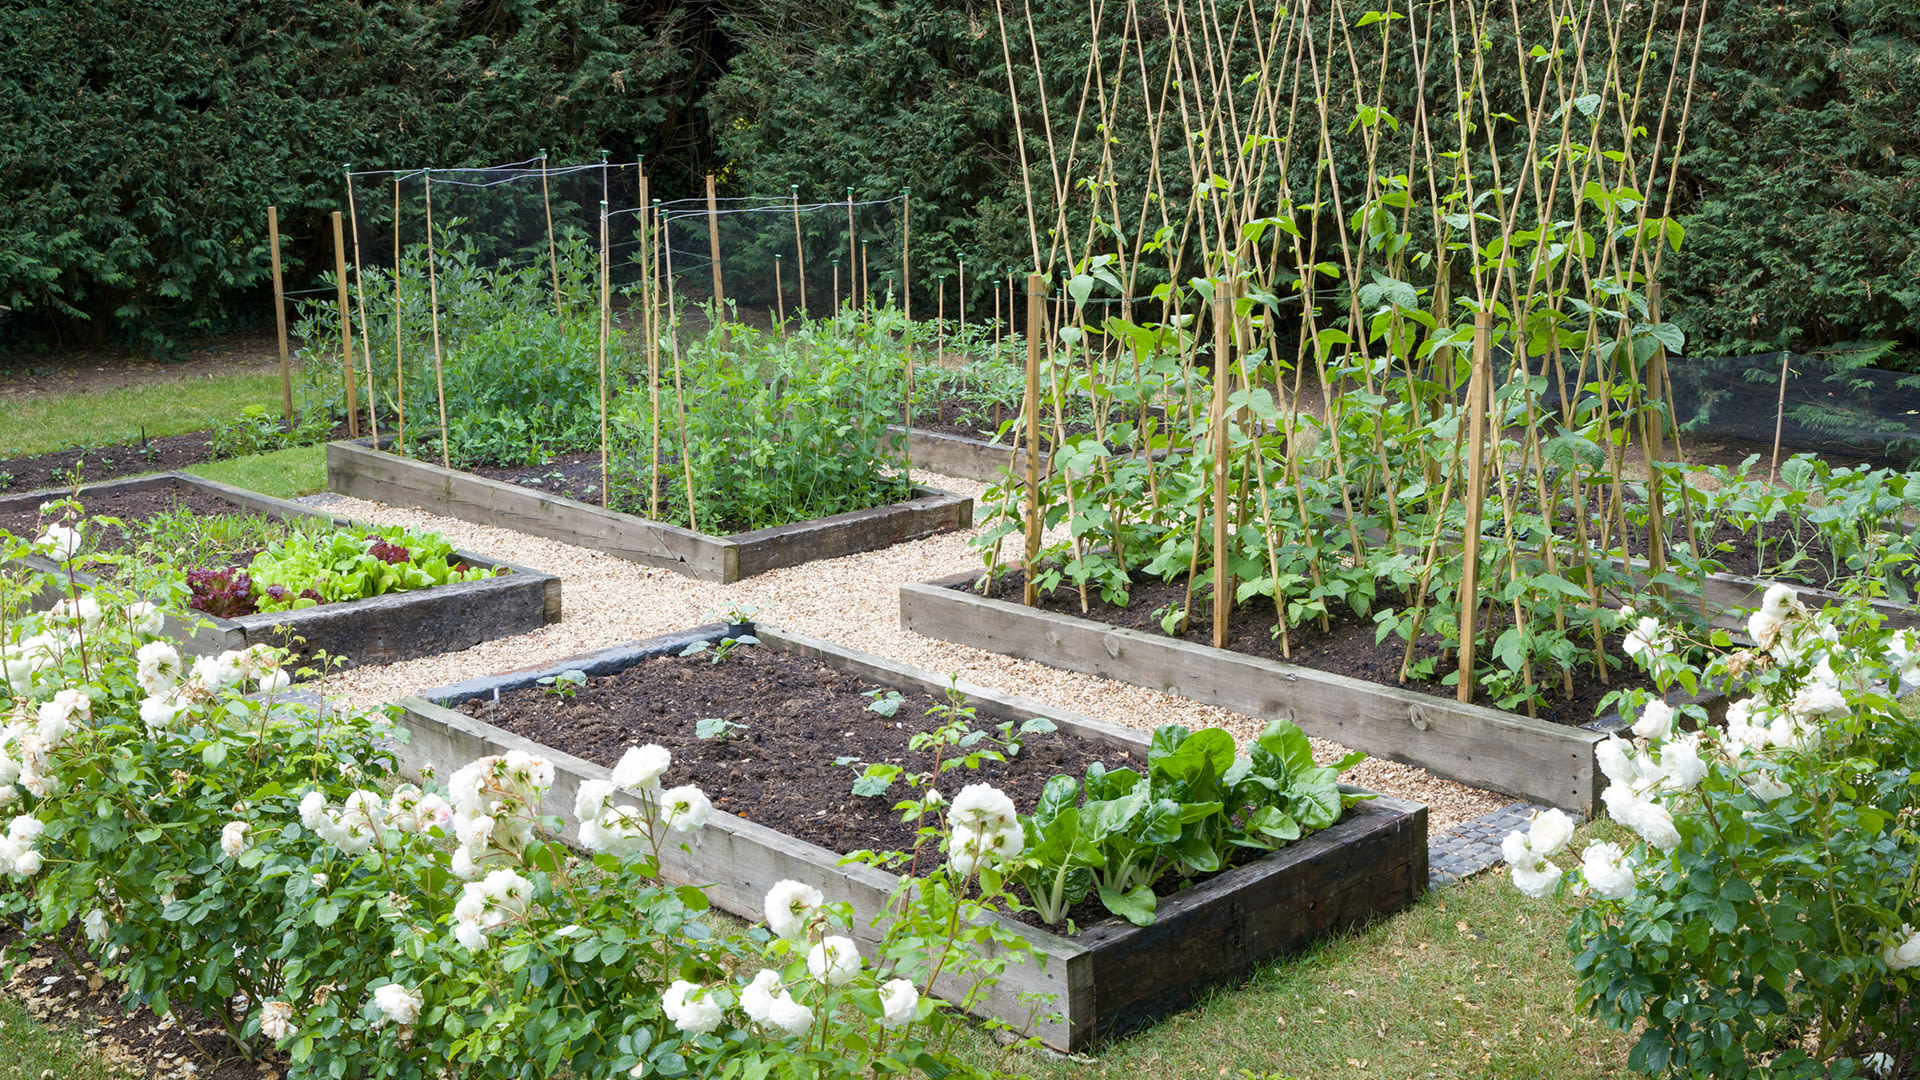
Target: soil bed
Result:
[131, 507]
[185, 1043]
[1347, 649]
[800, 716]
[97, 463]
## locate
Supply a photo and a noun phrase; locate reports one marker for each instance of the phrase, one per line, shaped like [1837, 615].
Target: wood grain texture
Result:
[1475, 745]
[356, 468]
[377, 630]
[1111, 978]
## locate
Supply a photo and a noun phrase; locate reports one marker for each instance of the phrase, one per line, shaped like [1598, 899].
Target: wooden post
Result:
[866, 283]
[280, 314]
[346, 329]
[940, 327]
[780, 296]
[1477, 394]
[654, 241]
[713, 245]
[853, 253]
[360, 305]
[399, 375]
[1779, 409]
[960, 288]
[606, 288]
[996, 318]
[906, 265]
[1222, 373]
[433, 308]
[553, 251]
[799, 251]
[1655, 428]
[836, 288]
[1036, 319]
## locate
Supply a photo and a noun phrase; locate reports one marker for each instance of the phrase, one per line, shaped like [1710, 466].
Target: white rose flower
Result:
[791, 905]
[276, 1020]
[1550, 832]
[1819, 699]
[1643, 638]
[756, 998]
[214, 674]
[1622, 764]
[145, 617]
[463, 866]
[1747, 726]
[1790, 732]
[1903, 951]
[1648, 819]
[690, 1007]
[61, 542]
[834, 961]
[57, 717]
[1656, 721]
[96, 926]
[27, 863]
[686, 808]
[981, 807]
[790, 1016]
[899, 1000]
[590, 799]
[641, 767]
[471, 935]
[233, 839]
[1781, 601]
[1536, 881]
[1765, 786]
[26, 829]
[1517, 849]
[1763, 629]
[313, 810]
[397, 1003]
[1609, 871]
[1681, 762]
[159, 667]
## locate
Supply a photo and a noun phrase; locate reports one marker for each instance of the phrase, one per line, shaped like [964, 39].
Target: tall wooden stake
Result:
[1222, 374]
[713, 246]
[553, 250]
[433, 308]
[853, 253]
[1656, 429]
[1476, 495]
[906, 265]
[799, 252]
[960, 287]
[360, 305]
[1036, 320]
[1779, 409]
[654, 241]
[866, 283]
[606, 290]
[780, 296]
[399, 375]
[346, 329]
[280, 316]
[940, 327]
[996, 318]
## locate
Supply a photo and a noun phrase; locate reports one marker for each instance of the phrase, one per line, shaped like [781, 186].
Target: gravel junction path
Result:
[851, 601]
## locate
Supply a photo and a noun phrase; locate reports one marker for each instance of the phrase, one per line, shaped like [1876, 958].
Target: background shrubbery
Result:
[139, 145]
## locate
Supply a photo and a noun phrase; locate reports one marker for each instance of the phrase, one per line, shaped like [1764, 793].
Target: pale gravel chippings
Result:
[851, 601]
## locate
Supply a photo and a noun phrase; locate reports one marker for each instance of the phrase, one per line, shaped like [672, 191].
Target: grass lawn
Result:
[41, 425]
[301, 470]
[31, 1050]
[1472, 983]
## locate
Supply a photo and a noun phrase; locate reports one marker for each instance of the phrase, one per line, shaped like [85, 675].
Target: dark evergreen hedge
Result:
[140, 143]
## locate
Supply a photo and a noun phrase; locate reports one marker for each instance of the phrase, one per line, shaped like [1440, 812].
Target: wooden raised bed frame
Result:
[1543, 762]
[355, 467]
[1112, 977]
[378, 630]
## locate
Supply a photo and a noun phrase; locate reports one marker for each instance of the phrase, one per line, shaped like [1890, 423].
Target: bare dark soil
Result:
[49, 986]
[131, 507]
[800, 717]
[1347, 648]
[96, 463]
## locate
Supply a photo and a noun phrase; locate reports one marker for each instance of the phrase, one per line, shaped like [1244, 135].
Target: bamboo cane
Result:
[713, 246]
[655, 240]
[1036, 320]
[433, 308]
[1477, 394]
[553, 250]
[606, 331]
[799, 252]
[280, 314]
[779, 296]
[399, 373]
[1222, 577]
[360, 304]
[346, 329]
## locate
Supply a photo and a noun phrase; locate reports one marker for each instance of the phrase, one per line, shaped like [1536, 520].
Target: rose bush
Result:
[223, 847]
[1760, 920]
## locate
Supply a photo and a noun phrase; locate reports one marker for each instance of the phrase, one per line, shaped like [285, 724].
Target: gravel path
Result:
[851, 601]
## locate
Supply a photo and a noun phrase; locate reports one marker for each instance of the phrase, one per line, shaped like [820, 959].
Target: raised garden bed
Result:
[1109, 978]
[359, 469]
[1543, 762]
[378, 630]
[960, 455]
